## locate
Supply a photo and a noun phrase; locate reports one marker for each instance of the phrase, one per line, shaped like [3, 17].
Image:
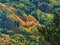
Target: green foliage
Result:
[46, 12]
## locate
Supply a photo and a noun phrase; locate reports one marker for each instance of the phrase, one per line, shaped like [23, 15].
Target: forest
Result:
[29, 22]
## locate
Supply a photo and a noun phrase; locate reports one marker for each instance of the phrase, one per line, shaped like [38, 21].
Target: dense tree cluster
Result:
[29, 22]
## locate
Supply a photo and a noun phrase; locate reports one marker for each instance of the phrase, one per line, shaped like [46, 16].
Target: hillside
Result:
[29, 22]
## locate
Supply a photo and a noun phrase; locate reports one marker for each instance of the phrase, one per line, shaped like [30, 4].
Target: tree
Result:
[56, 18]
[45, 7]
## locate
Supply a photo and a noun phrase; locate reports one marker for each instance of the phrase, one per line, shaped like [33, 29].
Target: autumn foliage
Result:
[29, 22]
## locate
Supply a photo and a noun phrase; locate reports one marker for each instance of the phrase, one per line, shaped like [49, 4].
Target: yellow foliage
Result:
[2, 5]
[22, 5]
[5, 39]
[30, 21]
[24, 17]
[11, 10]
[4, 35]
[38, 11]
[49, 15]
[28, 29]
[53, 0]
[43, 16]
[28, 24]
[18, 19]
[31, 18]
[21, 43]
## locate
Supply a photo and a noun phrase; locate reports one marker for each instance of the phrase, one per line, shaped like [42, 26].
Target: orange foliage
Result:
[2, 5]
[21, 43]
[28, 21]
[31, 18]
[5, 39]
[32, 21]
[11, 9]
